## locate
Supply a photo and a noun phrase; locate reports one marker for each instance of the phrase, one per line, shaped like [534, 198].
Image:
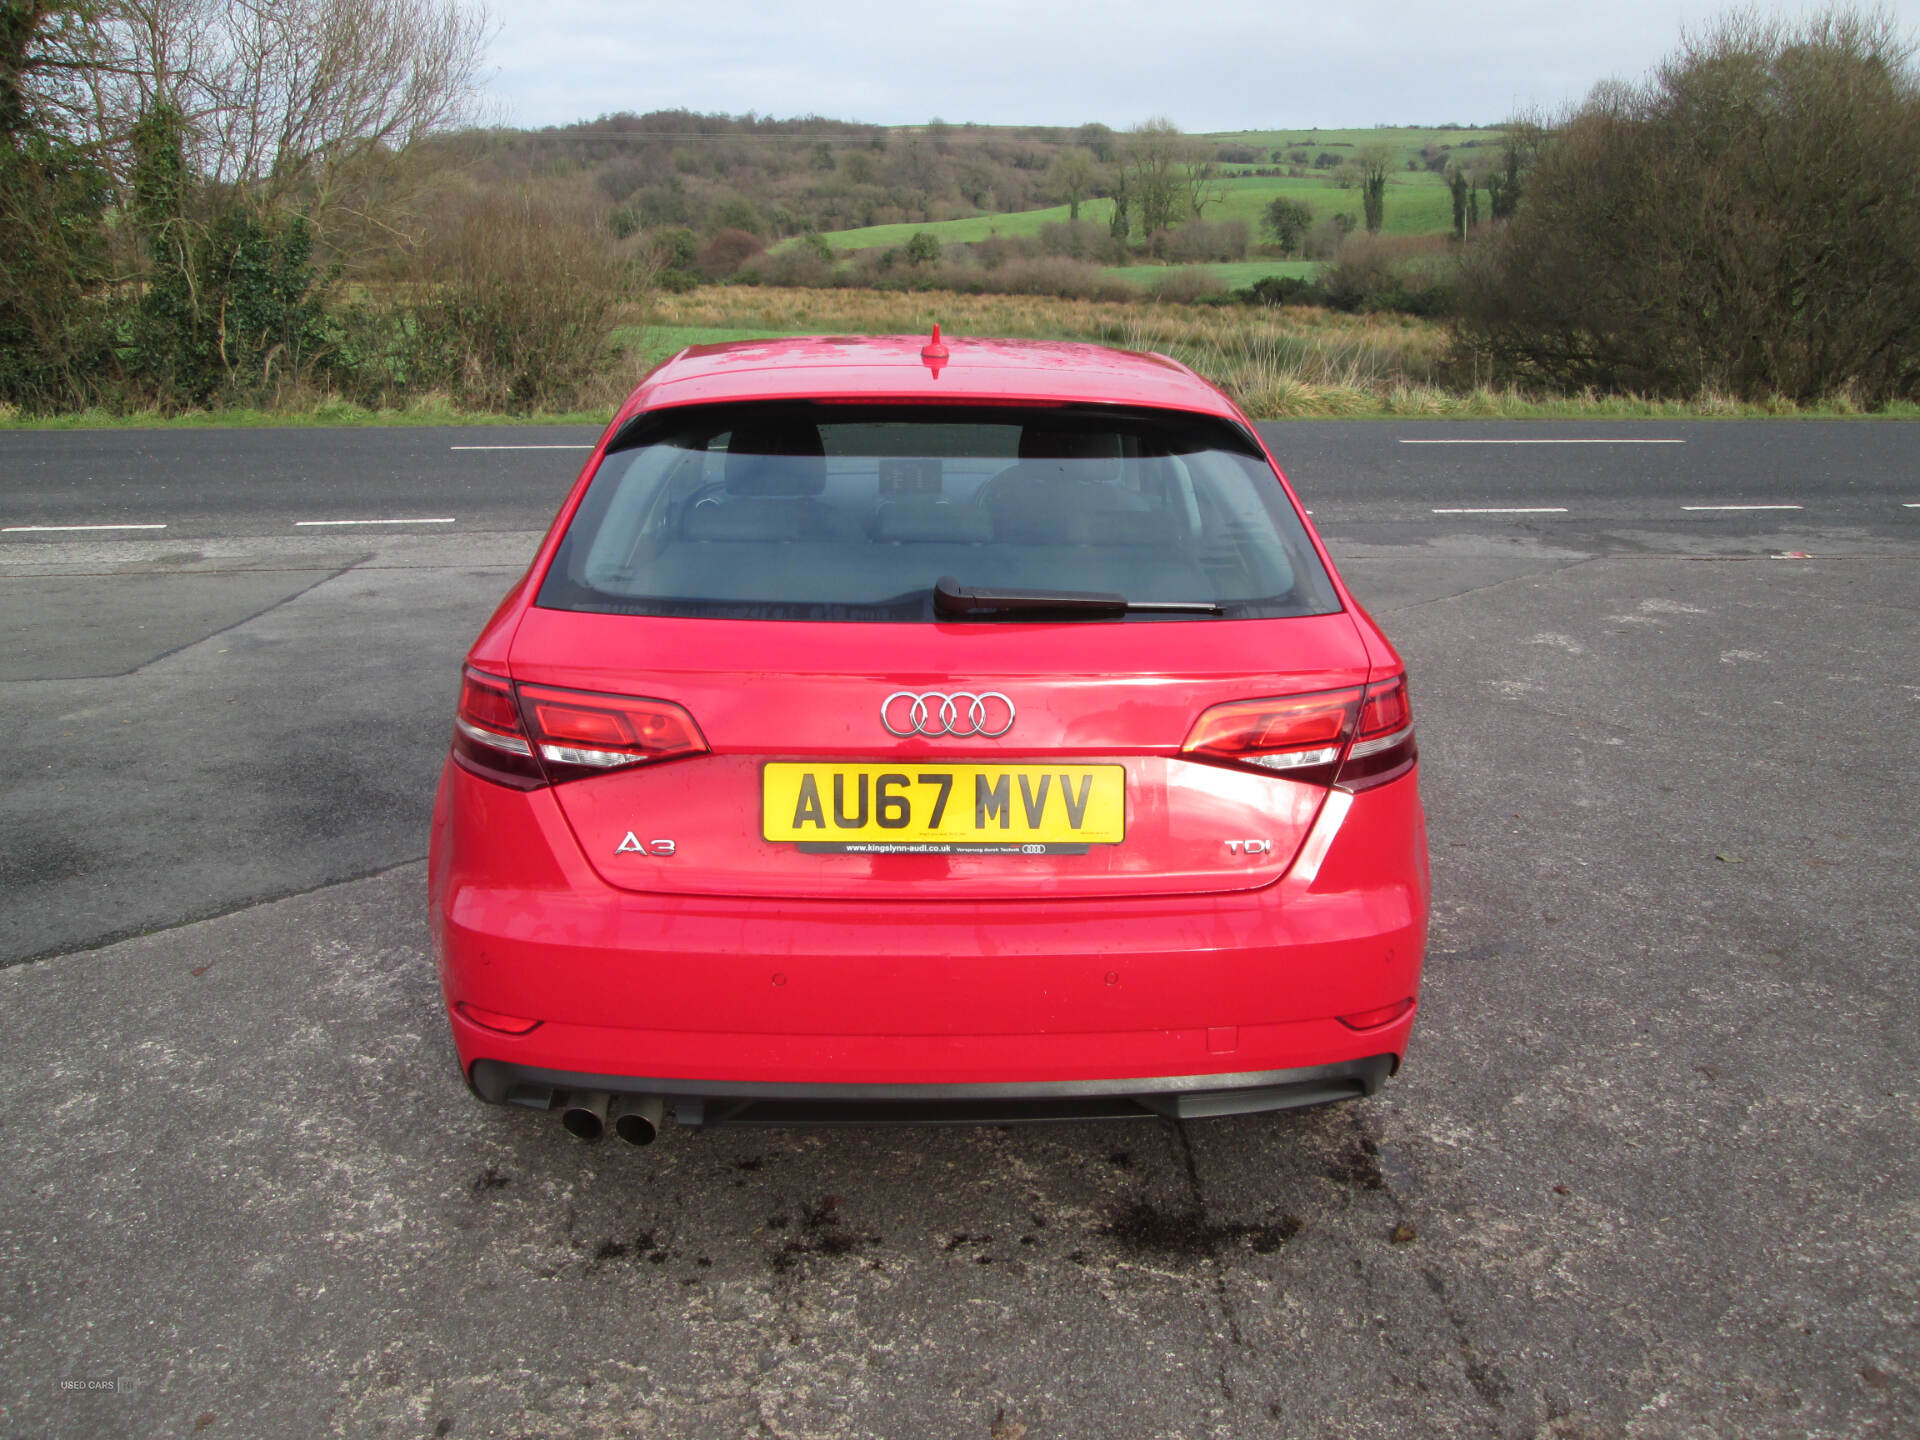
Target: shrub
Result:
[1745, 222]
[1357, 279]
[662, 204]
[621, 177]
[1067, 279]
[1324, 240]
[230, 315]
[673, 257]
[1188, 285]
[54, 328]
[1198, 240]
[726, 252]
[1287, 221]
[1411, 275]
[805, 265]
[735, 212]
[1080, 240]
[513, 303]
[1280, 290]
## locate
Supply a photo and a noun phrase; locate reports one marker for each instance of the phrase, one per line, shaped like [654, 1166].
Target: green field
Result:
[1408, 140]
[974, 227]
[1417, 204]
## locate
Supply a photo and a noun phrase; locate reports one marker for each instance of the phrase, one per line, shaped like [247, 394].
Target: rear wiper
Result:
[950, 597]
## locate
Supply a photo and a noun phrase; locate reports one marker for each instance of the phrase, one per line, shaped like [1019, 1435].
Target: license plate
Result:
[942, 809]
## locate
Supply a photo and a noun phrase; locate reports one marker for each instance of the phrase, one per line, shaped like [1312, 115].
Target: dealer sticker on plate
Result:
[943, 809]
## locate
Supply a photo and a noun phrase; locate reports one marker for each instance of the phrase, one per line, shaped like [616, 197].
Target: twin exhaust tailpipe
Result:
[636, 1119]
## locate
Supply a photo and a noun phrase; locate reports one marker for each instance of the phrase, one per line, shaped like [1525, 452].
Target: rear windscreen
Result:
[850, 512]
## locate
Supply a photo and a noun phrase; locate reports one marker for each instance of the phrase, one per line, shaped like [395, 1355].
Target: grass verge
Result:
[327, 413]
[1299, 363]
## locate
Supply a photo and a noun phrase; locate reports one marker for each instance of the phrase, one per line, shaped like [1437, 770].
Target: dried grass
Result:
[1277, 363]
[1274, 361]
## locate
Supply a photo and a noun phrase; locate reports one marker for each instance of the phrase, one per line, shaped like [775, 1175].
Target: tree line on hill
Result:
[776, 179]
[204, 203]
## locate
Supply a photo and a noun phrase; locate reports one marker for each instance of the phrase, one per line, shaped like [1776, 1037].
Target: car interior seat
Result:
[774, 475]
[1065, 475]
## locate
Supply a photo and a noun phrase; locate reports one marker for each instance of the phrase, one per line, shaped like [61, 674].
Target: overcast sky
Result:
[1207, 64]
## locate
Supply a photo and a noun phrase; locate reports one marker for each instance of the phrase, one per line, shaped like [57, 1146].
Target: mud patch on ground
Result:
[819, 1234]
[644, 1245]
[1144, 1229]
[1357, 1163]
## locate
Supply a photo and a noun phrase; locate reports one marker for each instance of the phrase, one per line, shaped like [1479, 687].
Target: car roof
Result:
[892, 367]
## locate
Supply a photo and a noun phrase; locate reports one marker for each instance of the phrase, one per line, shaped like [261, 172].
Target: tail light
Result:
[532, 735]
[488, 738]
[1356, 737]
[1300, 736]
[1383, 749]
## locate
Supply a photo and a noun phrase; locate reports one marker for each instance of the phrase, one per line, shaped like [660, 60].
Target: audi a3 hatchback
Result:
[902, 730]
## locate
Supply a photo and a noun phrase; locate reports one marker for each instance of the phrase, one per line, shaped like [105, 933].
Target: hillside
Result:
[864, 186]
[1253, 168]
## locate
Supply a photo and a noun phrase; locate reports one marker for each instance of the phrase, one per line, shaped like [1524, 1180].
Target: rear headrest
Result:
[782, 457]
[1050, 442]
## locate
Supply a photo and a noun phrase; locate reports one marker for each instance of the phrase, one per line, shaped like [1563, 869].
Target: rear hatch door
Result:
[1065, 779]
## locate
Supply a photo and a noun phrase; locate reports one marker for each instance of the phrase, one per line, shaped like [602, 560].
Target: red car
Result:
[895, 730]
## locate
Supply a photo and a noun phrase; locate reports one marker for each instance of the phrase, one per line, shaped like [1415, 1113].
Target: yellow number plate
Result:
[934, 809]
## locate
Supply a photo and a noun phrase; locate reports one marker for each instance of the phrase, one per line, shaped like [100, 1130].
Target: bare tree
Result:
[1200, 175]
[1073, 173]
[291, 101]
[47, 49]
[1519, 152]
[1151, 155]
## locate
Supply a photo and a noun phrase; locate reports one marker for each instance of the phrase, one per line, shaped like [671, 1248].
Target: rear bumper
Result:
[922, 1010]
[1174, 1097]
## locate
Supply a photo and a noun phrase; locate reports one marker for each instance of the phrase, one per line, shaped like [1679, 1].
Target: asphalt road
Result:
[267, 482]
[1652, 1164]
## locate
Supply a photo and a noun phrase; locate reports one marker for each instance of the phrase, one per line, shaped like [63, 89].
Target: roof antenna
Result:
[934, 352]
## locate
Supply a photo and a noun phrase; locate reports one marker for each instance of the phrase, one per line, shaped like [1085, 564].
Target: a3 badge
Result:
[634, 845]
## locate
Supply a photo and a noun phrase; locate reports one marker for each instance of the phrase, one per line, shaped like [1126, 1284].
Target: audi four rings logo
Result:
[962, 714]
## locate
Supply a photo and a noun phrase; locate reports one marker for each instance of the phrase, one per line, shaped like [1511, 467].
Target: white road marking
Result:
[36, 529]
[520, 447]
[436, 520]
[1509, 510]
[1910, 505]
[1743, 507]
[1405, 441]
